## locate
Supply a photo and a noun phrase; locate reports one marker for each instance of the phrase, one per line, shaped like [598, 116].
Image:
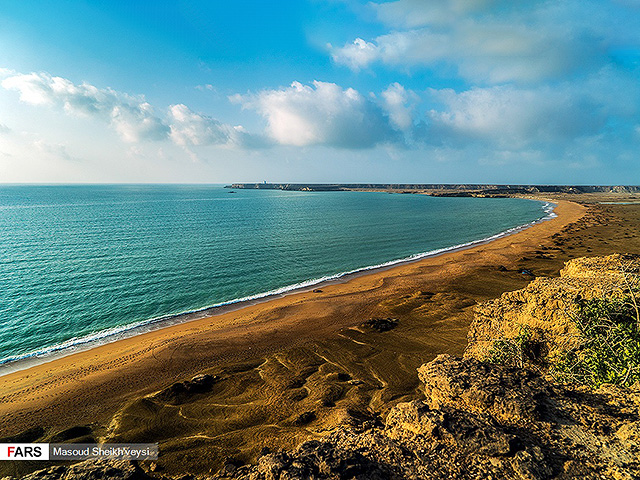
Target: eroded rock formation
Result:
[546, 307]
[478, 421]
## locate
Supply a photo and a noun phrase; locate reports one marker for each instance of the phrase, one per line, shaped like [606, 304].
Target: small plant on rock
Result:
[516, 351]
[608, 350]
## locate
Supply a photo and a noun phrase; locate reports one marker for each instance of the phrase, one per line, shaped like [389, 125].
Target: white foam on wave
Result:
[115, 333]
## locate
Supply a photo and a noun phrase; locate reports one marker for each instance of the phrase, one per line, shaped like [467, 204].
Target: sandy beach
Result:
[276, 361]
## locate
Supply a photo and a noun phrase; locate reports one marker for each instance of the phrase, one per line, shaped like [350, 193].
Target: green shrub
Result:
[513, 352]
[608, 349]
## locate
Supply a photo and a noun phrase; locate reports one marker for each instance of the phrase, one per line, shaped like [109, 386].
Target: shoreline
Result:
[323, 327]
[18, 363]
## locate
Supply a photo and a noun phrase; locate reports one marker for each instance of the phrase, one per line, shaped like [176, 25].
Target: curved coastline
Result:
[17, 363]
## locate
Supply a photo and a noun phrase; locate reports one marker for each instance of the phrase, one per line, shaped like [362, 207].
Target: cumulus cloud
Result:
[534, 79]
[495, 53]
[514, 118]
[490, 41]
[321, 114]
[356, 55]
[400, 104]
[189, 128]
[132, 117]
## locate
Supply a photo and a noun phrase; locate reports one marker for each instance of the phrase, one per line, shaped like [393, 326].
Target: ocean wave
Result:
[115, 333]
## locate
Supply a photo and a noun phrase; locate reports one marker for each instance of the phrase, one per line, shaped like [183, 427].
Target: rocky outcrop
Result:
[381, 324]
[505, 393]
[182, 392]
[546, 307]
[477, 421]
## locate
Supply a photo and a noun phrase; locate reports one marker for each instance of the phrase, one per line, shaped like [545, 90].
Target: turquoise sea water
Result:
[78, 261]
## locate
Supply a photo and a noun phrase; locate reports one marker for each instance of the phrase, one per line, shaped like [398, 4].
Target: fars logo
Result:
[24, 451]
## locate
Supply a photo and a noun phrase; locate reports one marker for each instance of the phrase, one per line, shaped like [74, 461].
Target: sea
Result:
[81, 264]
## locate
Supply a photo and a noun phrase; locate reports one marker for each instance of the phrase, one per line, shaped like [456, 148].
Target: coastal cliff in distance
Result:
[498, 413]
[442, 189]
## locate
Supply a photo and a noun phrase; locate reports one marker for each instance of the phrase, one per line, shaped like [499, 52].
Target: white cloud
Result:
[52, 150]
[514, 118]
[493, 53]
[321, 114]
[132, 117]
[493, 41]
[418, 13]
[400, 104]
[356, 55]
[33, 147]
[190, 128]
[137, 122]
[5, 72]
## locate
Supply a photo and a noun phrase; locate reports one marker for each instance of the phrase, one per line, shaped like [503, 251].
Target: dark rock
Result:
[201, 383]
[73, 433]
[265, 451]
[181, 392]
[299, 394]
[362, 419]
[27, 436]
[231, 466]
[320, 460]
[331, 394]
[296, 382]
[381, 324]
[304, 418]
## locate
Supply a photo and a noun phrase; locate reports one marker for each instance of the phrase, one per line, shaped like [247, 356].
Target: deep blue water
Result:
[78, 260]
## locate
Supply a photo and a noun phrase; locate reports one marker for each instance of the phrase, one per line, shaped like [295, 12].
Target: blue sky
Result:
[505, 91]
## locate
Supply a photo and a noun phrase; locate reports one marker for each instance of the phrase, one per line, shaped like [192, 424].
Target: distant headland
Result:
[443, 189]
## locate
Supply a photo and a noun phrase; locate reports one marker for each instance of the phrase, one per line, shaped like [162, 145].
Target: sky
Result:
[324, 91]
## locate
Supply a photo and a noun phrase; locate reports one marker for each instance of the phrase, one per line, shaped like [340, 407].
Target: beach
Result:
[291, 367]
